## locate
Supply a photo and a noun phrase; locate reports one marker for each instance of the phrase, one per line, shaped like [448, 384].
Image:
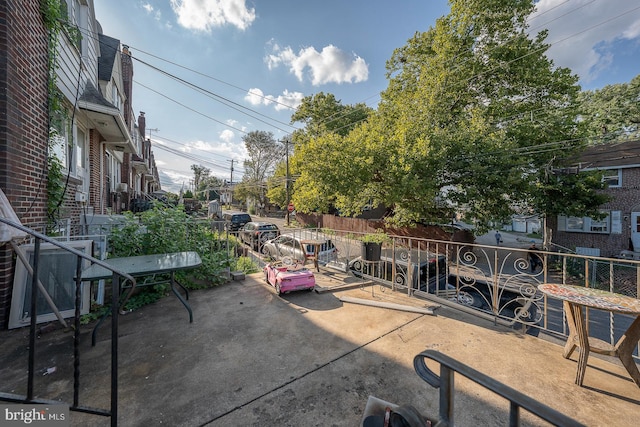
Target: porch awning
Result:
[139, 164]
[106, 119]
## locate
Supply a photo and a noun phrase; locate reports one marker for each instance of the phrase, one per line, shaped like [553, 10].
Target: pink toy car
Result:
[287, 278]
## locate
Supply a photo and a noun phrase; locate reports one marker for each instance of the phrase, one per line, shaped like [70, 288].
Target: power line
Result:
[542, 110]
[162, 139]
[225, 101]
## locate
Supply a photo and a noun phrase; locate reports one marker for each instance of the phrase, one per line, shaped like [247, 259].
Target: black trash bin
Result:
[371, 251]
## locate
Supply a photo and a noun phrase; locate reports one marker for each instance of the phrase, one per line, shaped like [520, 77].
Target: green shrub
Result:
[169, 229]
[246, 265]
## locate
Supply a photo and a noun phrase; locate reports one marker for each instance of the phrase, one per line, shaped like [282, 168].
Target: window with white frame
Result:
[83, 24]
[59, 137]
[114, 171]
[81, 150]
[69, 144]
[81, 158]
[613, 177]
[76, 13]
[116, 99]
[586, 224]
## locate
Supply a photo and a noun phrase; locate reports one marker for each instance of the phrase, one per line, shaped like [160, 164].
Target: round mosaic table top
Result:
[596, 298]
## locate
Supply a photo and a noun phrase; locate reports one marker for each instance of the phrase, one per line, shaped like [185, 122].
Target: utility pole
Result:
[152, 130]
[230, 193]
[286, 145]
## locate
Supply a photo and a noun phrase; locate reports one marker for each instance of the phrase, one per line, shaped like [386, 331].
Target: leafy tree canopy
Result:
[319, 152]
[277, 183]
[206, 187]
[613, 112]
[199, 172]
[264, 152]
[322, 113]
[475, 114]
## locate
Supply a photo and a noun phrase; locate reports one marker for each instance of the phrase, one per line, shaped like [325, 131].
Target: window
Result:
[58, 136]
[76, 13]
[64, 10]
[586, 224]
[575, 223]
[116, 99]
[81, 151]
[69, 145]
[113, 171]
[56, 270]
[613, 177]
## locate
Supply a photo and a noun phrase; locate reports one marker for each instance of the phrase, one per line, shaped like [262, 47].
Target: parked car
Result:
[289, 245]
[288, 278]
[234, 221]
[255, 234]
[430, 276]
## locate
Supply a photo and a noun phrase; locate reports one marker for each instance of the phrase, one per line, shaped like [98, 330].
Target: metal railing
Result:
[493, 282]
[445, 383]
[118, 277]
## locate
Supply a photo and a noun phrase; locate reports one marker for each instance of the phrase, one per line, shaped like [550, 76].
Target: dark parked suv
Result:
[234, 221]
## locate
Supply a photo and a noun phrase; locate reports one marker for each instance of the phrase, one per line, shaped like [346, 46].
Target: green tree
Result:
[613, 112]
[474, 116]
[264, 153]
[322, 113]
[283, 174]
[478, 113]
[320, 155]
[199, 174]
[210, 188]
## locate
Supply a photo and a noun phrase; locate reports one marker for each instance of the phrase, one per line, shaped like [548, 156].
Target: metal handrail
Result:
[445, 382]
[117, 278]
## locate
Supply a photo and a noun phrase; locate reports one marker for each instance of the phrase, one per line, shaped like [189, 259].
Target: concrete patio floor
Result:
[252, 358]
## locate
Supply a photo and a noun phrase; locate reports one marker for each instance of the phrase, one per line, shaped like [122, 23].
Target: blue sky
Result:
[245, 65]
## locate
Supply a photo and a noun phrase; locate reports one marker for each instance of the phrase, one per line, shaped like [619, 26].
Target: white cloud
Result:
[147, 7]
[227, 135]
[202, 15]
[254, 97]
[286, 101]
[331, 65]
[583, 32]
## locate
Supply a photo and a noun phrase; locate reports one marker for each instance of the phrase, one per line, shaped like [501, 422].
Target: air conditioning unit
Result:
[121, 187]
[81, 197]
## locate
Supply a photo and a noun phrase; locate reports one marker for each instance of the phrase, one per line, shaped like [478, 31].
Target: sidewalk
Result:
[509, 239]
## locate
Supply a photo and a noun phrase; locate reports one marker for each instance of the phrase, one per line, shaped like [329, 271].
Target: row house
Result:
[131, 175]
[107, 163]
[617, 234]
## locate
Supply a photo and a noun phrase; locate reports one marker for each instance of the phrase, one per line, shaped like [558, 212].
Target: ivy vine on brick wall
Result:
[55, 17]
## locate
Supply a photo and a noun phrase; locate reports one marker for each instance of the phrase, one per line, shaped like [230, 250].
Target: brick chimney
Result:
[142, 123]
[127, 81]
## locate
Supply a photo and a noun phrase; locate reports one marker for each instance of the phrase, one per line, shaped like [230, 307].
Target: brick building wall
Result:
[625, 199]
[95, 180]
[127, 166]
[23, 123]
